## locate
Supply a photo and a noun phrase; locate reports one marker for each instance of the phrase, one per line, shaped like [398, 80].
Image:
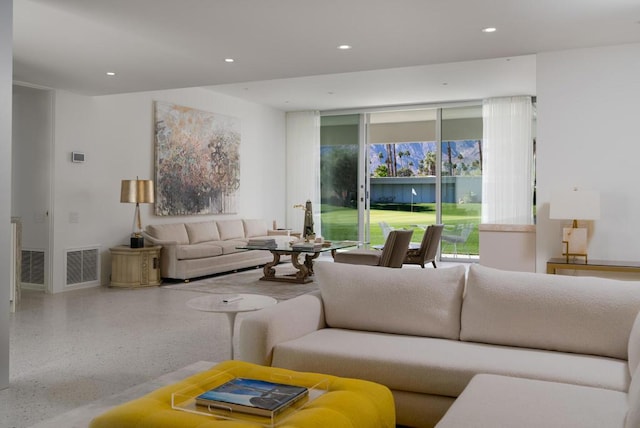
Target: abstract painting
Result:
[197, 161]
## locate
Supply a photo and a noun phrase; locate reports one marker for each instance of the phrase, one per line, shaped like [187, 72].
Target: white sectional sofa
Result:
[191, 250]
[519, 349]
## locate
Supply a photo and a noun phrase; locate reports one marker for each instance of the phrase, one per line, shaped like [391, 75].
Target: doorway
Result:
[32, 136]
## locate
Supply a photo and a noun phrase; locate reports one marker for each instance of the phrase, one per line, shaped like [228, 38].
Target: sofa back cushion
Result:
[419, 302]
[254, 228]
[634, 346]
[230, 229]
[205, 231]
[583, 315]
[169, 232]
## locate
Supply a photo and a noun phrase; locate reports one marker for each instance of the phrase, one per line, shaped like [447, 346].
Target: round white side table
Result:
[231, 304]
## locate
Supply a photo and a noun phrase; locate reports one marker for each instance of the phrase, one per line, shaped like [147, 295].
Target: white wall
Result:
[588, 115]
[116, 134]
[6, 77]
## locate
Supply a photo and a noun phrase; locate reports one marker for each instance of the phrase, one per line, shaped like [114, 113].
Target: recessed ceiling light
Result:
[229, 60]
[344, 47]
[111, 73]
[489, 30]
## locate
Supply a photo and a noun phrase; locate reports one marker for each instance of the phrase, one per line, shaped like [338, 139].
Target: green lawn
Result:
[340, 223]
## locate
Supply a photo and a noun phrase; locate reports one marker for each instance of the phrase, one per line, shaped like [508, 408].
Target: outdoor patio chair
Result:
[392, 255]
[385, 229]
[458, 236]
[428, 247]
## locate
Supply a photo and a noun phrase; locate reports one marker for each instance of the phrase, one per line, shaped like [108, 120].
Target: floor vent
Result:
[32, 267]
[83, 266]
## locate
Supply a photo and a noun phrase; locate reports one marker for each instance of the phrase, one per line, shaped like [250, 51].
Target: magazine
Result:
[257, 397]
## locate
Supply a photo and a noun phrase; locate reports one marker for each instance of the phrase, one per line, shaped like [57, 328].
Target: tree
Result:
[430, 163]
[450, 164]
[339, 170]
[381, 171]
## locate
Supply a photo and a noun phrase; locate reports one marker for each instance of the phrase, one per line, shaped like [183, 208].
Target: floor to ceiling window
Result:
[402, 154]
[404, 169]
[339, 159]
[461, 178]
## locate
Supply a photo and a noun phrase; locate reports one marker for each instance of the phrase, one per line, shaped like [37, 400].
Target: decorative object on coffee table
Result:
[137, 192]
[307, 231]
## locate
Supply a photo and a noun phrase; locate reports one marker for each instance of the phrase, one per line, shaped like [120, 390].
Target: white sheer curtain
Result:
[507, 147]
[303, 167]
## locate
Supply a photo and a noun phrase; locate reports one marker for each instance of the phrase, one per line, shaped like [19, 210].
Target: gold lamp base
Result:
[575, 242]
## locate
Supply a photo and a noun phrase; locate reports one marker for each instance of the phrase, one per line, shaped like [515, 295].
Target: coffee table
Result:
[231, 304]
[305, 268]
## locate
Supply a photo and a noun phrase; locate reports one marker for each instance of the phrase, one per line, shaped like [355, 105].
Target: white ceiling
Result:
[285, 51]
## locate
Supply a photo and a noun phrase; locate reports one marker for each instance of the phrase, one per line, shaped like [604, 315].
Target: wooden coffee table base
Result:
[305, 269]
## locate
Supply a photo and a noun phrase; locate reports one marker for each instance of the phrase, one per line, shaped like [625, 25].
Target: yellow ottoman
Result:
[349, 403]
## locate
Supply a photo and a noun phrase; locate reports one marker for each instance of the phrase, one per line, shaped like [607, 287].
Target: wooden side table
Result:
[135, 267]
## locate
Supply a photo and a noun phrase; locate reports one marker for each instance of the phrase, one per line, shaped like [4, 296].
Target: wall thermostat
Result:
[77, 157]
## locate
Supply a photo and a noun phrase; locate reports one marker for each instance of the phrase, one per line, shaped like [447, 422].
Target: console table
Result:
[596, 265]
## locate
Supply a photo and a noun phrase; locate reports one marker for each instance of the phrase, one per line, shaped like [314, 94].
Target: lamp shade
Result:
[575, 205]
[137, 191]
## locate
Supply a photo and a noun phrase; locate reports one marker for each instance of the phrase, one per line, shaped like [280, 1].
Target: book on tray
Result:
[252, 396]
[266, 242]
[306, 246]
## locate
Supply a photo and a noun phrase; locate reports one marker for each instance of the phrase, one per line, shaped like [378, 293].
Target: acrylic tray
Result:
[185, 399]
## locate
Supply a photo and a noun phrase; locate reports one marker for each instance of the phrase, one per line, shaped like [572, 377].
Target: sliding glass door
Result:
[340, 185]
[402, 152]
[403, 169]
[461, 180]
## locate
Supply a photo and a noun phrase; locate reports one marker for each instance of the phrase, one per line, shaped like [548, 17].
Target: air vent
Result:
[83, 266]
[32, 267]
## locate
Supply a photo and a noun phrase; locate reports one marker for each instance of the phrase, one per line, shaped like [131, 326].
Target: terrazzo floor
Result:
[70, 349]
[73, 349]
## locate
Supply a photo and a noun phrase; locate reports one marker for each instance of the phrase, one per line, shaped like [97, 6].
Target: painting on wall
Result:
[197, 161]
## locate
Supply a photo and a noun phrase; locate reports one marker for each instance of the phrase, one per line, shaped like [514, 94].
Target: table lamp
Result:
[575, 205]
[138, 192]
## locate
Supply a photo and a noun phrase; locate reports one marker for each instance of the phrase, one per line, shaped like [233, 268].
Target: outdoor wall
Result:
[116, 133]
[399, 189]
[6, 76]
[588, 138]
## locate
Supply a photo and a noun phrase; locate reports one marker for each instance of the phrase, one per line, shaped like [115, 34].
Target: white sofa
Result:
[191, 250]
[527, 340]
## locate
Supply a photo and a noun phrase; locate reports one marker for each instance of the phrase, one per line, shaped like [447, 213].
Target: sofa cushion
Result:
[633, 416]
[499, 401]
[585, 315]
[202, 232]
[169, 232]
[634, 345]
[229, 247]
[439, 366]
[197, 251]
[405, 301]
[230, 229]
[254, 227]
